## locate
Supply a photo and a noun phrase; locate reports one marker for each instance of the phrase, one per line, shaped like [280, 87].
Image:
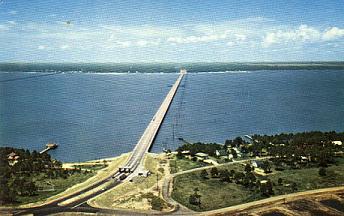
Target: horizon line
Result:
[170, 62]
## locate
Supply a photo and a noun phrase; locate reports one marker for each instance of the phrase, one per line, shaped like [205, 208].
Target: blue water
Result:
[95, 115]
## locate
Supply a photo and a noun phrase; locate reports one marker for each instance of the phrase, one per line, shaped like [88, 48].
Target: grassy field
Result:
[60, 185]
[217, 194]
[309, 179]
[178, 165]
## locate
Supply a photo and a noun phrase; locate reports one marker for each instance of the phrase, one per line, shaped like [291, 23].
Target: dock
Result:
[147, 138]
[48, 147]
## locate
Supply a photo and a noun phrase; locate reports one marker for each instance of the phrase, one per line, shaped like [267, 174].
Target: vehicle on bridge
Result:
[125, 170]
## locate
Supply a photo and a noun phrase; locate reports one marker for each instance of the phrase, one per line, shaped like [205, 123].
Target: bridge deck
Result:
[153, 127]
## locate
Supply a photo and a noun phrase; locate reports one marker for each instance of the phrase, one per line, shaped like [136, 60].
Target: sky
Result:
[171, 31]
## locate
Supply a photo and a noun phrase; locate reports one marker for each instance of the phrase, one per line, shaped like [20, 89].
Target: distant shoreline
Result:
[167, 67]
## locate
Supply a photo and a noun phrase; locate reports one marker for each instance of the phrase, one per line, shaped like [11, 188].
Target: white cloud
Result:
[11, 22]
[144, 43]
[41, 47]
[240, 37]
[333, 33]
[64, 47]
[12, 12]
[3, 27]
[303, 33]
[238, 34]
[197, 39]
[230, 43]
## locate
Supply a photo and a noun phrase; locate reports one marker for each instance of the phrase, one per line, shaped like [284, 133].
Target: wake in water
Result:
[29, 77]
[223, 72]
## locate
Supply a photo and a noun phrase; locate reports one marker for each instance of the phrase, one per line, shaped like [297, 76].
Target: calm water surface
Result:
[95, 115]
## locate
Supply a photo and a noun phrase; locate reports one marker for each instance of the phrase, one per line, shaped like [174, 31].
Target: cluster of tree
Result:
[245, 178]
[304, 137]
[16, 179]
[194, 148]
[237, 142]
[156, 202]
[195, 198]
[295, 150]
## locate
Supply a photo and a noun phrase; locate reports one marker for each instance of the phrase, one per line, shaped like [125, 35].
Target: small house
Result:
[221, 153]
[238, 152]
[202, 156]
[12, 158]
[339, 143]
[257, 164]
[186, 152]
[264, 152]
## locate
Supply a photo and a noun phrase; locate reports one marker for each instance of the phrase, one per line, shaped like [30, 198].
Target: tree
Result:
[266, 166]
[238, 141]
[266, 188]
[195, 198]
[269, 187]
[322, 171]
[231, 173]
[248, 168]
[214, 172]
[238, 176]
[228, 143]
[224, 175]
[180, 154]
[157, 203]
[204, 174]
[31, 188]
[234, 153]
[280, 181]
[251, 179]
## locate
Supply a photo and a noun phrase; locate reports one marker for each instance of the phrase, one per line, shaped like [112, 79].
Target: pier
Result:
[147, 138]
[49, 146]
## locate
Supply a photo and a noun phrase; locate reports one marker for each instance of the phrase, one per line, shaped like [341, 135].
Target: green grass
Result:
[60, 184]
[178, 165]
[216, 194]
[309, 179]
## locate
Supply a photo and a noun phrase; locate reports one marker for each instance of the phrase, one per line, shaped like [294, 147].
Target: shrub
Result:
[322, 171]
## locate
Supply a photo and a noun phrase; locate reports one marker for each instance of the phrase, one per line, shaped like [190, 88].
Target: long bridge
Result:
[77, 202]
[151, 131]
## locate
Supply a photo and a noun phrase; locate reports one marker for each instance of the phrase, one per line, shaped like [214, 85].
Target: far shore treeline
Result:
[166, 67]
